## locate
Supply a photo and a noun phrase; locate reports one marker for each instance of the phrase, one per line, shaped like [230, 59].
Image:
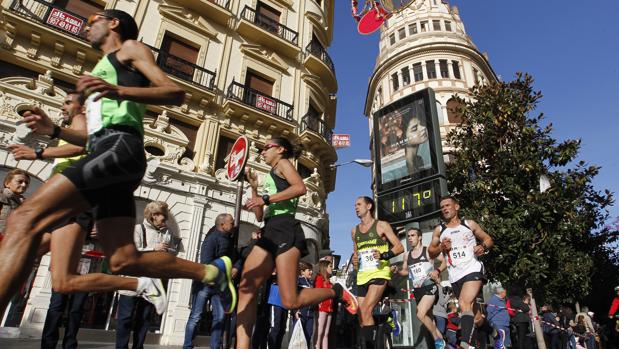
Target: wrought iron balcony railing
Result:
[270, 25]
[314, 123]
[184, 70]
[54, 17]
[255, 99]
[316, 49]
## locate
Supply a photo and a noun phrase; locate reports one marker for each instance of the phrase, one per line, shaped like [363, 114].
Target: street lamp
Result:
[362, 162]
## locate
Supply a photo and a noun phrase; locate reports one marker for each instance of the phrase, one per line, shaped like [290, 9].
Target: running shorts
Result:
[281, 233]
[476, 276]
[362, 290]
[427, 290]
[110, 173]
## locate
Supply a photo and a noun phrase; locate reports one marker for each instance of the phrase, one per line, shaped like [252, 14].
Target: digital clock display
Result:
[411, 202]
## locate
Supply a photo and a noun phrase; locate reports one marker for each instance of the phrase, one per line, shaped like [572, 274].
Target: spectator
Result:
[16, 183]
[325, 308]
[215, 245]
[498, 317]
[278, 314]
[306, 314]
[521, 320]
[589, 341]
[151, 235]
[550, 327]
[440, 308]
[453, 324]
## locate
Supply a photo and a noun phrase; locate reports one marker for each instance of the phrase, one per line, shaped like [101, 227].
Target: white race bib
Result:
[94, 119]
[419, 273]
[367, 261]
[461, 255]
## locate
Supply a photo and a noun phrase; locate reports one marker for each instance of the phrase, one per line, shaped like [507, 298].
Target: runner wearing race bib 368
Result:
[458, 240]
[371, 241]
[419, 268]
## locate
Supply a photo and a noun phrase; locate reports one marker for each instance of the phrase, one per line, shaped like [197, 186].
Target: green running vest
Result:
[369, 267]
[275, 184]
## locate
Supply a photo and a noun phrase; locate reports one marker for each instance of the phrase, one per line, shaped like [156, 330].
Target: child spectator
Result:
[325, 308]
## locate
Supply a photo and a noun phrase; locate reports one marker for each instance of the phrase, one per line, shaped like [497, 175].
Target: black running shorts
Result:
[362, 290]
[427, 290]
[476, 276]
[110, 173]
[281, 233]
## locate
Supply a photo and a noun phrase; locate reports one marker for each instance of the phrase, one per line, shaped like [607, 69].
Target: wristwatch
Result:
[38, 152]
[266, 198]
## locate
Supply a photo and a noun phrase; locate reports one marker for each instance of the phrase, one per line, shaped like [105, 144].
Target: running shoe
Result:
[396, 320]
[155, 294]
[350, 301]
[224, 283]
[439, 343]
[499, 341]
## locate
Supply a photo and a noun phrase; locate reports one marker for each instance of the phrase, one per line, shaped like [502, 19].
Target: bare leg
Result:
[325, 337]
[320, 333]
[258, 266]
[53, 201]
[423, 306]
[286, 265]
[470, 289]
[367, 304]
[44, 245]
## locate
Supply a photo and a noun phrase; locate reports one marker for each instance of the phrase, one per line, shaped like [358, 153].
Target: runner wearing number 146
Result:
[374, 245]
[458, 240]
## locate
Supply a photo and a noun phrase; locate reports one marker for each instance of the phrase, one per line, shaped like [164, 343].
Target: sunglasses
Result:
[269, 146]
[96, 17]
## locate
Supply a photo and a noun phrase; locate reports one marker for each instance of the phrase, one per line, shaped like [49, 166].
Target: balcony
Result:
[53, 17]
[186, 71]
[217, 10]
[264, 104]
[270, 33]
[318, 61]
[313, 123]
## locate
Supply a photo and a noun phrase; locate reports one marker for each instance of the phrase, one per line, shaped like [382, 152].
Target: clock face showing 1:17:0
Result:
[410, 202]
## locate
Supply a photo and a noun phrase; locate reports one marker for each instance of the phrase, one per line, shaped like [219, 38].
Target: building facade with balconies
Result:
[257, 68]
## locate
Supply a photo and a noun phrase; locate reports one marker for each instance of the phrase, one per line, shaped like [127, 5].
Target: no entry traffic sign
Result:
[237, 158]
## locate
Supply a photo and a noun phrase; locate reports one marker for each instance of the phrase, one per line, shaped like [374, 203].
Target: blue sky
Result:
[569, 47]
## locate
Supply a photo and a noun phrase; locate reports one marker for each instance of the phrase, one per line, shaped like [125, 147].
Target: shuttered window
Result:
[177, 58]
[83, 8]
[258, 83]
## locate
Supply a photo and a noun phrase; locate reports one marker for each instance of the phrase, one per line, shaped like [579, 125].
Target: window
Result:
[406, 76]
[392, 39]
[424, 26]
[267, 17]
[418, 71]
[412, 29]
[456, 68]
[223, 149]
[395, 81]
[436, 25]
[177, 57]
[444, 68]
[475, 76]
[448, 26]
[402, 33]
[258, 83]
[83, 8]
[431, 69]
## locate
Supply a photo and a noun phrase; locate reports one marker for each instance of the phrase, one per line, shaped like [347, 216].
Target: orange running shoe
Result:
[350, 301]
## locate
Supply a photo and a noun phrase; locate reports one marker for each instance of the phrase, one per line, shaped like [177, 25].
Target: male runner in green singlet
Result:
[371, 242]
[120, 85]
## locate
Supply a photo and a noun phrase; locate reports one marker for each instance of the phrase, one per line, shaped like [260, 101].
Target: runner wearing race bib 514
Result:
[419, 268]
[461, 242]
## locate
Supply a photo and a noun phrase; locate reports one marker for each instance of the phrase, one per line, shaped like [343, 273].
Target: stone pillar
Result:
[206, 143]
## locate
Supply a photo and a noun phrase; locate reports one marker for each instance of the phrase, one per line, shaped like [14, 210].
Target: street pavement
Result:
[21, 343]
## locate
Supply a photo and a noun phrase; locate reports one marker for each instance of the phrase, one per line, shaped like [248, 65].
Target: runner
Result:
[457, 239]
[282, 242]
[371, 254]
[419, 268]
[104, 180]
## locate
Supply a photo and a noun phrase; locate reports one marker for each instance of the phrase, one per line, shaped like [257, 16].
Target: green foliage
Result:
[550, 241]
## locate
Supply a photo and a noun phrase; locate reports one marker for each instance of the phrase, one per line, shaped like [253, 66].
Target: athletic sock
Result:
[369, 334]
[467, 325]
[338, 289]
[142, 284]
[210, 274]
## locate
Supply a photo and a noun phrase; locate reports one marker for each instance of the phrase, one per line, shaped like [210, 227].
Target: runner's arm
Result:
[38, 121]
[480, 234]
[436, 273]
[404, 270]
[355, 256]
[384, 229]
[252, 179]
[434, 249]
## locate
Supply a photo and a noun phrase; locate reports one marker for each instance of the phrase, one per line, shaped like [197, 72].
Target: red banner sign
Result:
[65, 21]
[340, 140]
[266, 104]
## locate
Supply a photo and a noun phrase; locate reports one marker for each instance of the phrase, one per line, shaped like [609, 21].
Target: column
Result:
[206, 142]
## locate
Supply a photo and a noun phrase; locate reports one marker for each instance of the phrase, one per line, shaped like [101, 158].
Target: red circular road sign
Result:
[237, 158]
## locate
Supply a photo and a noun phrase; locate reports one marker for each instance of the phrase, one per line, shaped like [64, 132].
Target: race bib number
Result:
[367, 261]
[94, 119]
[461, 255]
[419, 273]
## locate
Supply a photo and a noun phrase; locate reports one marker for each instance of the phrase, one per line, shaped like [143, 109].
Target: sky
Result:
[569, 47]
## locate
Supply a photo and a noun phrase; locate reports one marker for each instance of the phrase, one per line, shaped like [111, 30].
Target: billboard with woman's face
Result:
[407, 141]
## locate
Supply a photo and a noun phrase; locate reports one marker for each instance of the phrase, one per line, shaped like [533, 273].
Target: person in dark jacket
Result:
[522, 320]
[550, 328]
[498, 317]
[216, 244]
[306, 314]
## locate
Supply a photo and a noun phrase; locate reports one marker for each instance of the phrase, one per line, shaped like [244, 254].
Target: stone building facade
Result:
[257, 68]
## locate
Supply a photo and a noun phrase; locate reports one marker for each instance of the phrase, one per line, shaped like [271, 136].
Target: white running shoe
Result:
[155, 293]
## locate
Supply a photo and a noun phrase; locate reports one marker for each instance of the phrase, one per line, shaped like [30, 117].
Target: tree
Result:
[551, 240]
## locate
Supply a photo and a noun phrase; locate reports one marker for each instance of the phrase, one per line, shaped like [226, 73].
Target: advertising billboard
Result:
[407, 144]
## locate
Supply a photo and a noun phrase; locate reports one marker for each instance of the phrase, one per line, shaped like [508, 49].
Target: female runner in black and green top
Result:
[282, 243]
